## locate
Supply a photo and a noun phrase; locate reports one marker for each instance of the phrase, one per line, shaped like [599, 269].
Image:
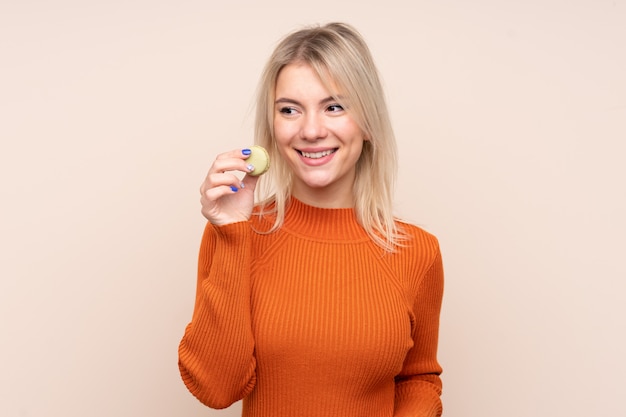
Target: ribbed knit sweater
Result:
[315, 319]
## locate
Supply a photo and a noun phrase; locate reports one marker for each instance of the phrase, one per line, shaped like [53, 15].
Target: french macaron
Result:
[259, 159]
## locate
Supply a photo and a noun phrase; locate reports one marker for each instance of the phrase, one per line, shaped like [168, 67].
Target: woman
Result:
[316, 301]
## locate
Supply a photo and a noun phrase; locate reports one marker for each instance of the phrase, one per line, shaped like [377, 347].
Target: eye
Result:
[334, 108]
[287, 111]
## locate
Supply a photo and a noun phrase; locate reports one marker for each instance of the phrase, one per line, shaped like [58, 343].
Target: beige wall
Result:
[511, 120]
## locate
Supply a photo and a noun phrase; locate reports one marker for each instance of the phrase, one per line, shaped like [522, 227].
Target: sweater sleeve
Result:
[418, 386]
[216, 354]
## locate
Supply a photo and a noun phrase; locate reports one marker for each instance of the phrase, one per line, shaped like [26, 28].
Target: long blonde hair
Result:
[339, 56]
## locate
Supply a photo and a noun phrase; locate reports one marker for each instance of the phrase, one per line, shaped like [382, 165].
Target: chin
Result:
[317, 184]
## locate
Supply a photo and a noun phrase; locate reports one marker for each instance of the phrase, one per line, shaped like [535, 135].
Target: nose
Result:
[313, 127]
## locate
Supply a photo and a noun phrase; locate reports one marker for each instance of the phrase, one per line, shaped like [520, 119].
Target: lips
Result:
[318, 154]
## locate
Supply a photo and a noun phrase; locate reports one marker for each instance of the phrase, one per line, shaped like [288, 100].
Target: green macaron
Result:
[259, 159]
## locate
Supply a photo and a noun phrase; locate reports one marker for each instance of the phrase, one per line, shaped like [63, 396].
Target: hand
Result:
[224, 198]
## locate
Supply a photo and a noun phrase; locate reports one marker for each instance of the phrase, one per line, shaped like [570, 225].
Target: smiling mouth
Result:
[317, 155]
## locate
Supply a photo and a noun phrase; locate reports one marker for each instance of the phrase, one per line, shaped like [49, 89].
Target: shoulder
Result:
[419, 258]
[419, 250]
[417, 237]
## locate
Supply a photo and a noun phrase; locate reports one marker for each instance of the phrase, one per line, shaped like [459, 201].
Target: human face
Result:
[317, 137]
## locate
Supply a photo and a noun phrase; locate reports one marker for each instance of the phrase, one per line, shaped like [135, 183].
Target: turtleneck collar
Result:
[331, 224]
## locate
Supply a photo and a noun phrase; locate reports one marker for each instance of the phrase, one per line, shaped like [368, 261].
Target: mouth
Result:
[317, 155]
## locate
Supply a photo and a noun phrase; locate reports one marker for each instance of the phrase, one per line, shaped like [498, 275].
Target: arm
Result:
[216, 353]
[418, 386]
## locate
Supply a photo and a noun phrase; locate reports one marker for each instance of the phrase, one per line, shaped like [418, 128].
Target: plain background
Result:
[511, 122]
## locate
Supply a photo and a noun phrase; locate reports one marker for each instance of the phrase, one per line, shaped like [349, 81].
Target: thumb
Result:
[250, 181]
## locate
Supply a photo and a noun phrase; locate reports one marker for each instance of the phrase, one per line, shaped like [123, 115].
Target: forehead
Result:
[302, 78]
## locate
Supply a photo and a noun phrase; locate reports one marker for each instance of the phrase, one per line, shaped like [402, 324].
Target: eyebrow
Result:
[285, 100]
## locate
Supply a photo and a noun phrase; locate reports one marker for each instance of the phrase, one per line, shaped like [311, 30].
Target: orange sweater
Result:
[315, 320]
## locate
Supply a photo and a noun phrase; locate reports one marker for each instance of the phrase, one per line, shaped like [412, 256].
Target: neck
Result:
[337, 194]
[324, 198]
[323, 223]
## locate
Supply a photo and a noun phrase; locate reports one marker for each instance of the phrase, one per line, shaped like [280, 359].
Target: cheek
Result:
[285, 133]
[349, 129]
[280, 131]
[282, 138]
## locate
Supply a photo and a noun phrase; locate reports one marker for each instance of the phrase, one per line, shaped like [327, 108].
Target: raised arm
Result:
[216, 353]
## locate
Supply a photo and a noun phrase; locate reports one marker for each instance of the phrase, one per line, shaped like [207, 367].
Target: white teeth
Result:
[317, 155]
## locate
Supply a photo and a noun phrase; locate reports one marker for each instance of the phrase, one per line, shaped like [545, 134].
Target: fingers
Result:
[225, 197]
[249, 181]
[218, 185]
[221, 179]
[235, 153]
[219, 172]
[234, 160]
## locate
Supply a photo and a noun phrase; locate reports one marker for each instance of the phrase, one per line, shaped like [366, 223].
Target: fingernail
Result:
[242, 185]
[250, 167]
[246, 151]
[235, 189]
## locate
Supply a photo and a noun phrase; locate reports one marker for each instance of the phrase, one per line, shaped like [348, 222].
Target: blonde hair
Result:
[339, 56]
